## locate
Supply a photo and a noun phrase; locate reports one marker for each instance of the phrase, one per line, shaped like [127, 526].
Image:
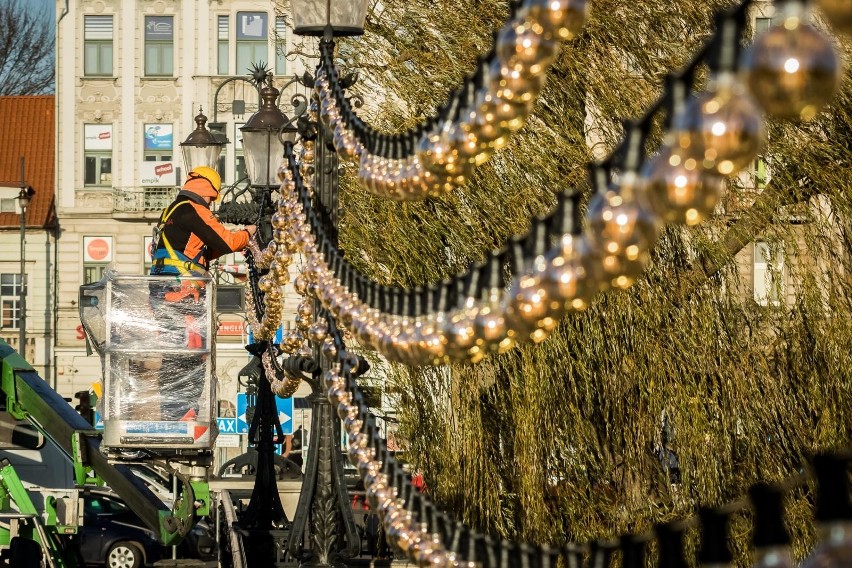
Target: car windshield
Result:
[99, 505]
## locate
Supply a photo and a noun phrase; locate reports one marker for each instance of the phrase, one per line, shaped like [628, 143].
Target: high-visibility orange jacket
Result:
[194, 235]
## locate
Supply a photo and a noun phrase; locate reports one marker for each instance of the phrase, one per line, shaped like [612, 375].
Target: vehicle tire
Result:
[123, 555]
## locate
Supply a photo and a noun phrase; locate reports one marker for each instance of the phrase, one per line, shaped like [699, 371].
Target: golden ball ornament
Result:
[619, 224]
[562, 19]
[514, 87]
[720, 130]
[572, 274]
[792, 69]
[523, 46]
[677, 190]
[524, 306]
[459, 331]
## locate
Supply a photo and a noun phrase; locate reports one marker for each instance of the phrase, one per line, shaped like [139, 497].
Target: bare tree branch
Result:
[26, 50]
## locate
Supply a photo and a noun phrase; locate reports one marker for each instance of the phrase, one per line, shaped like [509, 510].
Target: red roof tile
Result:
[28, 129]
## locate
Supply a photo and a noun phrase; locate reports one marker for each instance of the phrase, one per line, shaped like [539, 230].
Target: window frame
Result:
[245, 42]
[99, 267]
[104, 50]
[223, 44]
[99, 157]
[768, 282]
[761, 24]
[163, 48]
[11, 296]
[280, 41]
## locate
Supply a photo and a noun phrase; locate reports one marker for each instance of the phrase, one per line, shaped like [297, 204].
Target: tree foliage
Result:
[567, 440]
[26, 49]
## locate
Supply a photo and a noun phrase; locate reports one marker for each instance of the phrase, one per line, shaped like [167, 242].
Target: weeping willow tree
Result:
[680, 392]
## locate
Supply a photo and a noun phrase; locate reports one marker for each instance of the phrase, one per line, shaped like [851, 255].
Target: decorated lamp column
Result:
[324, 499]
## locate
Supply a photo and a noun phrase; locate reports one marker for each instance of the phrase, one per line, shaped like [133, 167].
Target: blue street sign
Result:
[227, 425]
[283, 405]
[279, 335]
[99, 422]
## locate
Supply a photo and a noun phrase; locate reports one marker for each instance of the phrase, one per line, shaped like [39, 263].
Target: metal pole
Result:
[324, 509]
[22, 297]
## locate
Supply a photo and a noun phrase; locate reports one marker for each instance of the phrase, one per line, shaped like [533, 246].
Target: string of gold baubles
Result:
[536, 296]
[719, 132]
[480, 119]
[390, 494]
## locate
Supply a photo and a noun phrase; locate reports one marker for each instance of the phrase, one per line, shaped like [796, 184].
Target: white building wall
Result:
[128, 100]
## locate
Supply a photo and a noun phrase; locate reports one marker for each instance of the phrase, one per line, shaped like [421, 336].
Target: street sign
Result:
[99, 421]
[284, 407]
[227, 441]
[227, 425]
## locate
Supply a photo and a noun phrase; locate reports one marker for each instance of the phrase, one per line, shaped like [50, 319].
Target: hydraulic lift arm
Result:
[29, 397]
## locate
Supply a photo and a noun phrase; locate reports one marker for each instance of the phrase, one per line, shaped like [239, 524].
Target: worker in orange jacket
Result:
[186, 239]
[188, 236]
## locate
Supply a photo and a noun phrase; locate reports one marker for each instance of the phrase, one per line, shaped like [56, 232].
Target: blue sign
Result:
[99, 421]
[283, 405]
[159, 137]
[279, 335]
[227, 425]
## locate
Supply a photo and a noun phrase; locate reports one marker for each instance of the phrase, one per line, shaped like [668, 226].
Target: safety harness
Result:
[169, 256]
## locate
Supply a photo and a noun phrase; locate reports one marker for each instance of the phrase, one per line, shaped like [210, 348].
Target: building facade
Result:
[131, 77]
[27, 147]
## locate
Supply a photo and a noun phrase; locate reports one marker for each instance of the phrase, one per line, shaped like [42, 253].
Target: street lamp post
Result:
[201, 147]
[263, 138]
[24, 197]
[324, 496]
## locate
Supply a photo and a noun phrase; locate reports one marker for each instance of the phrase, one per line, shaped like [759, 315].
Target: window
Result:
[7, 205]
[93, 272]
[761, 176]
[768, 274]
[97, 46]
[10, 294]
[98, 169]
[97, 149]
[159, 45]
[761, 25]
[280, 46]
[252, 40]
[240, 172]
[222, 58]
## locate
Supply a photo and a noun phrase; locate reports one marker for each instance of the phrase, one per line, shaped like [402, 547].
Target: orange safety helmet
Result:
[204, 181]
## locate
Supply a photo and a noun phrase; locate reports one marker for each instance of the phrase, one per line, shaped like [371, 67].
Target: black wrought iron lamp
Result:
[261, 141]
[343, 17]
[201, 147]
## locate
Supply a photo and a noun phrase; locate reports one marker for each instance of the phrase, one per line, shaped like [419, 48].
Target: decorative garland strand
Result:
[478, 118]
[430, 537]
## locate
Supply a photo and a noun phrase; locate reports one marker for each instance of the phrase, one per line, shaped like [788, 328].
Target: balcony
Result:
[141, 203]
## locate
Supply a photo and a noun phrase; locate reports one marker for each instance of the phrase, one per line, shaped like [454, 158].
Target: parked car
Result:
[112, 535]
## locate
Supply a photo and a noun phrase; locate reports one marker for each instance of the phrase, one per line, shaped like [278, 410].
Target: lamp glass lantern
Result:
[262, 145]
[201, 147]
[343, 17]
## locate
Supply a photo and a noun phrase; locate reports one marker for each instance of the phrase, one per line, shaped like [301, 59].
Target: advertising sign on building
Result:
[97, 136]
[147, 243]
[157, 174]
[231, 328]
[159, 137]
[159, 28]
[251, 25]
[97, 249]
